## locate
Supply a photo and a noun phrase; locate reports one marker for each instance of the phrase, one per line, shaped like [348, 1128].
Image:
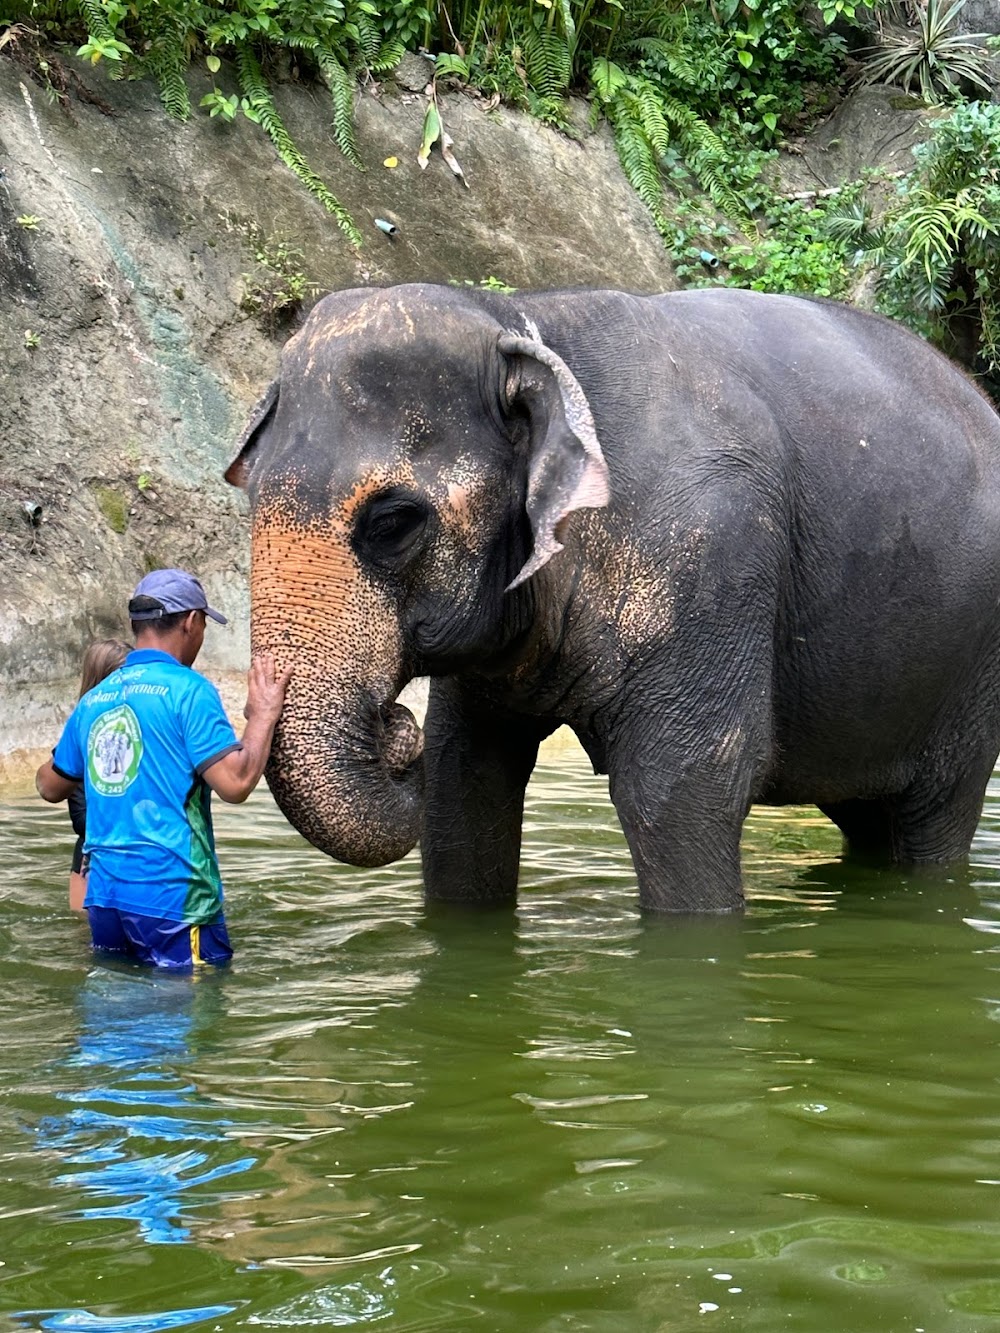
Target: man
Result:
[151, 743]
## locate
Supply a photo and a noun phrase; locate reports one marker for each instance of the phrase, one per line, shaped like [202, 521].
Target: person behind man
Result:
[100, 659]
[151, 744]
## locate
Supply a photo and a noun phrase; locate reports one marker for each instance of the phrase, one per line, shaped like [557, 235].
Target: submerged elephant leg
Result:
[686, 858]
[692, 742]
[936, 817]
[477, 765]
[933, 820]
[930, 824]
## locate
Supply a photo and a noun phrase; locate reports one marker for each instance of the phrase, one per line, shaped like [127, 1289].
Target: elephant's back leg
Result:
[934, 818]
[933, 822]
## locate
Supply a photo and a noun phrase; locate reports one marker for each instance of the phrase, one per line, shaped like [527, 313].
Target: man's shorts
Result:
[169, 944]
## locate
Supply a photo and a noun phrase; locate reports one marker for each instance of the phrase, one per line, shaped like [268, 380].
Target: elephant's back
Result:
[889, 616]
[883, 461]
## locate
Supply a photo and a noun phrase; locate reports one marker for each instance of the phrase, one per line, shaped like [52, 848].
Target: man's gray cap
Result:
[166, 591]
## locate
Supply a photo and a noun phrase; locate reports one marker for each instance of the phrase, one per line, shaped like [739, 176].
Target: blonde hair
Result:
[100, 659]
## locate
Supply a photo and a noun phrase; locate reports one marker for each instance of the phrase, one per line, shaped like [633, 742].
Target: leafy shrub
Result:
[937, 250]
[278, 287]
[795, 253]
[158, 39]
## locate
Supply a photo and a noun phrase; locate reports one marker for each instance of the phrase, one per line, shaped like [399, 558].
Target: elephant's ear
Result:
[566, 469]
[238, 471]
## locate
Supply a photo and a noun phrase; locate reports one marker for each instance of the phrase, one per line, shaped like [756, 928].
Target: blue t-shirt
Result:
[140, 741]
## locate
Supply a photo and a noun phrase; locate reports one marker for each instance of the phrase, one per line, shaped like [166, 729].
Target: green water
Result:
[562, 1119]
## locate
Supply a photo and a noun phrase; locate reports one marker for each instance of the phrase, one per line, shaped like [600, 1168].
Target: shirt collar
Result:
[140, 656]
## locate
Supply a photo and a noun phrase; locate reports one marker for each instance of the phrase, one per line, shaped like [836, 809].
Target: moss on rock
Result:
[114, 506]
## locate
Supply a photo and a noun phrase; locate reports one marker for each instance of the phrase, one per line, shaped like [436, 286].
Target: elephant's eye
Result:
[390, 528]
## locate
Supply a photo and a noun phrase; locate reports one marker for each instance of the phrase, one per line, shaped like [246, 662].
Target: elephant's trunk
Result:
[345, 765]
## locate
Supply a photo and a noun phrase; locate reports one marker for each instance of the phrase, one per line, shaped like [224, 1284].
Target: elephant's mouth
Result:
[399, 737]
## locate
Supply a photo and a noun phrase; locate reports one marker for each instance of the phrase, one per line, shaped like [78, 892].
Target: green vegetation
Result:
[278, 285]
[694, 82]
[930, 54]
[114, 507]
[160, 38]
[796, 252]
[698, 93]
[490, 284]
[936, 250]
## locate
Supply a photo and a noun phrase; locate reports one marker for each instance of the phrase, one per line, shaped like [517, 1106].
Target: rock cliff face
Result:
[979, 16]
[129, 362]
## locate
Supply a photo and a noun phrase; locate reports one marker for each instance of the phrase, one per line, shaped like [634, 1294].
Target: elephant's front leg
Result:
[477, 764]
[682, 780]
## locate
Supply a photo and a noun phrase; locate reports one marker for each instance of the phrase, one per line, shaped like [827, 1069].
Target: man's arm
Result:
[234, 776]
[52, 786]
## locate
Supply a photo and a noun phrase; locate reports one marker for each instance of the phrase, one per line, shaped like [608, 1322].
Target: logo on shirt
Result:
[114, 749]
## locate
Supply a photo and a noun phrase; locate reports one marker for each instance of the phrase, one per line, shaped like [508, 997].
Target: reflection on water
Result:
[135, 1030]
[73, 1320]
[561, 1117]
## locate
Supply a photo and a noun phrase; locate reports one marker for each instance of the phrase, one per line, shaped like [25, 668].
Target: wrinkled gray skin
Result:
[746, 546]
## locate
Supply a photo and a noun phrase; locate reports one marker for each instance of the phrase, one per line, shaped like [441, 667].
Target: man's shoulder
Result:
[204, 686]
[200, 695]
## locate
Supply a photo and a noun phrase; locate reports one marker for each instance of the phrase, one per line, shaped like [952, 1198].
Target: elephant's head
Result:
[408, 473]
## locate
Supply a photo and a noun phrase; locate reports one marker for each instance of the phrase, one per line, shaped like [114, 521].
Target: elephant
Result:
[746, 546]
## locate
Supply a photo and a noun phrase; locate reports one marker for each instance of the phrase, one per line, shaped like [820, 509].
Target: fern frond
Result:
[341, 86]
[670, 25]
[547, 62]
[707, 159]
[607, 79]
[258, 95]
[301, 41]
[639, 162]
[97, 20]
[389, 54]
[167, 61]
[645, 121]
[672, 54]
[369, 37]
[648, 106]
[657, 47]
[174, 92]
[697, 130]
[711, 175]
